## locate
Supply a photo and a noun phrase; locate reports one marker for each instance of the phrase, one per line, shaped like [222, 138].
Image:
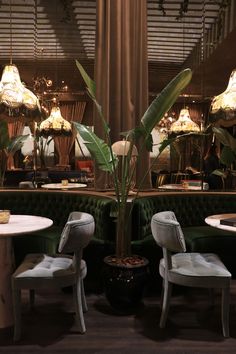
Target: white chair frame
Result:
[70, 271]
[188, 269]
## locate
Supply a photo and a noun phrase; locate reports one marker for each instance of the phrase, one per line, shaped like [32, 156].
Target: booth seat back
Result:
[58, 205]
[190, 209]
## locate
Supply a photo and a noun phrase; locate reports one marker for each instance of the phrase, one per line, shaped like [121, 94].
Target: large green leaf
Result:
[227, 156]
[99, 150]
[225, 137]
[164, 101]
[4, 136]
[91, 86]
[165, 143]
[16, 143]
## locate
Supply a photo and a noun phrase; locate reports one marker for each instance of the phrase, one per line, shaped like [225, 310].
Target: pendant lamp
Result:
[224, 105]
[15, 98]
[54, 125]
[184, 123]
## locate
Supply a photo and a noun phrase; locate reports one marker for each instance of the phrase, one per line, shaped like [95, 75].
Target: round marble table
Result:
[17, 225]
[214, 221]
[63, 186]
[181, 187]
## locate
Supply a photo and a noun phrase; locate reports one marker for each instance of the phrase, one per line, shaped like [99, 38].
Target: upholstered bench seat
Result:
[208, 239]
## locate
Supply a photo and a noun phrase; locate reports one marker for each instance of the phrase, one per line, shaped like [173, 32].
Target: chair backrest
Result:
[77, 232]
[167, 231]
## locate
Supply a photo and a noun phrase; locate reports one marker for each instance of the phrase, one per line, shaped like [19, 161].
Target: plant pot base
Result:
[124, 283]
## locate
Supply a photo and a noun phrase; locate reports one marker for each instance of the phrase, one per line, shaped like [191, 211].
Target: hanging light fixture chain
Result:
[10, 32]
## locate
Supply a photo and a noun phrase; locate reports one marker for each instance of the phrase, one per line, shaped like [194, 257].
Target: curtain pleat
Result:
[15, 128]
[121, 72]
[63, 145]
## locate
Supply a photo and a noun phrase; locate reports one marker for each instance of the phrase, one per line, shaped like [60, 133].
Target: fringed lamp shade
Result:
[224, 105]
[15, 99]
[184, 123]
[55, 125]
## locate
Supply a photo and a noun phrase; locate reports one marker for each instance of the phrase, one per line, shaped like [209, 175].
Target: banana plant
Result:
[107, 161]
[7, 147]
[227, 154]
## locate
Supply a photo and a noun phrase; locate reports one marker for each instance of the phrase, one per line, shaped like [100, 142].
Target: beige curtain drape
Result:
[121, 72]
[15, 128]
[63, 145]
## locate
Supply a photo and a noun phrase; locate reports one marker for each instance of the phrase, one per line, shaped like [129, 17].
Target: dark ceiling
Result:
[44, 38]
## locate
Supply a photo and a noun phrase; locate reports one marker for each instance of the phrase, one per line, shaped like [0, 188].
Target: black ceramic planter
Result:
[124, 283]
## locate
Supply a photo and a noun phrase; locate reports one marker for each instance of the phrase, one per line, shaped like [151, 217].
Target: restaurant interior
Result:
[117, 161]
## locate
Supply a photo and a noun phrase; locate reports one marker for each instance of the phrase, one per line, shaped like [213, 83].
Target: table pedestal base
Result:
[6, 270]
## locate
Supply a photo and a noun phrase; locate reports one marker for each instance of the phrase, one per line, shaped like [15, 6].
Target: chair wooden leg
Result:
[225, 304]
[167, 287]
[79, 307]
[16, 298]
[83, 298]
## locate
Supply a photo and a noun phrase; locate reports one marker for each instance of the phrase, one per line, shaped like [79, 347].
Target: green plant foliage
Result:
[16, 143]
[228, 152]
[7, 146]
[102, 152]
[225, 138]
[97, 147]
[163, 102]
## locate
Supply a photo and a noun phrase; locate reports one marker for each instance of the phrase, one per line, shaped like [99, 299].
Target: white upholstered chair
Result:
[38, 271]
[189, 269]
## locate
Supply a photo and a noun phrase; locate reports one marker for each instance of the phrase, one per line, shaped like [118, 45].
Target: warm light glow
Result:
[224, 105]
[55, 124]
[14, 95]
[121, 148]
[184, 123]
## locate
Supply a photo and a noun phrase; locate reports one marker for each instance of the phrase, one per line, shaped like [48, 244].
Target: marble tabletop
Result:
[214, 220]
[62, 186]
[21, 224]
[180, 186]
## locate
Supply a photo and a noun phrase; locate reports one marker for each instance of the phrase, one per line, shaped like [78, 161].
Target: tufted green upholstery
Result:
[191, 209]
[57, 206]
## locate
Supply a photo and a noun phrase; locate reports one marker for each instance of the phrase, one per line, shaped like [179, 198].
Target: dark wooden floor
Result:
[193, 327]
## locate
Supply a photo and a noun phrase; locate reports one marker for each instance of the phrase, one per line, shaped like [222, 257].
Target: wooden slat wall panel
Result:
[54, 33]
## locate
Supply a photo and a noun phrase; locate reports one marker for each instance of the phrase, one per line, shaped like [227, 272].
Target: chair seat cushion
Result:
[197, 265]
[46, 266]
